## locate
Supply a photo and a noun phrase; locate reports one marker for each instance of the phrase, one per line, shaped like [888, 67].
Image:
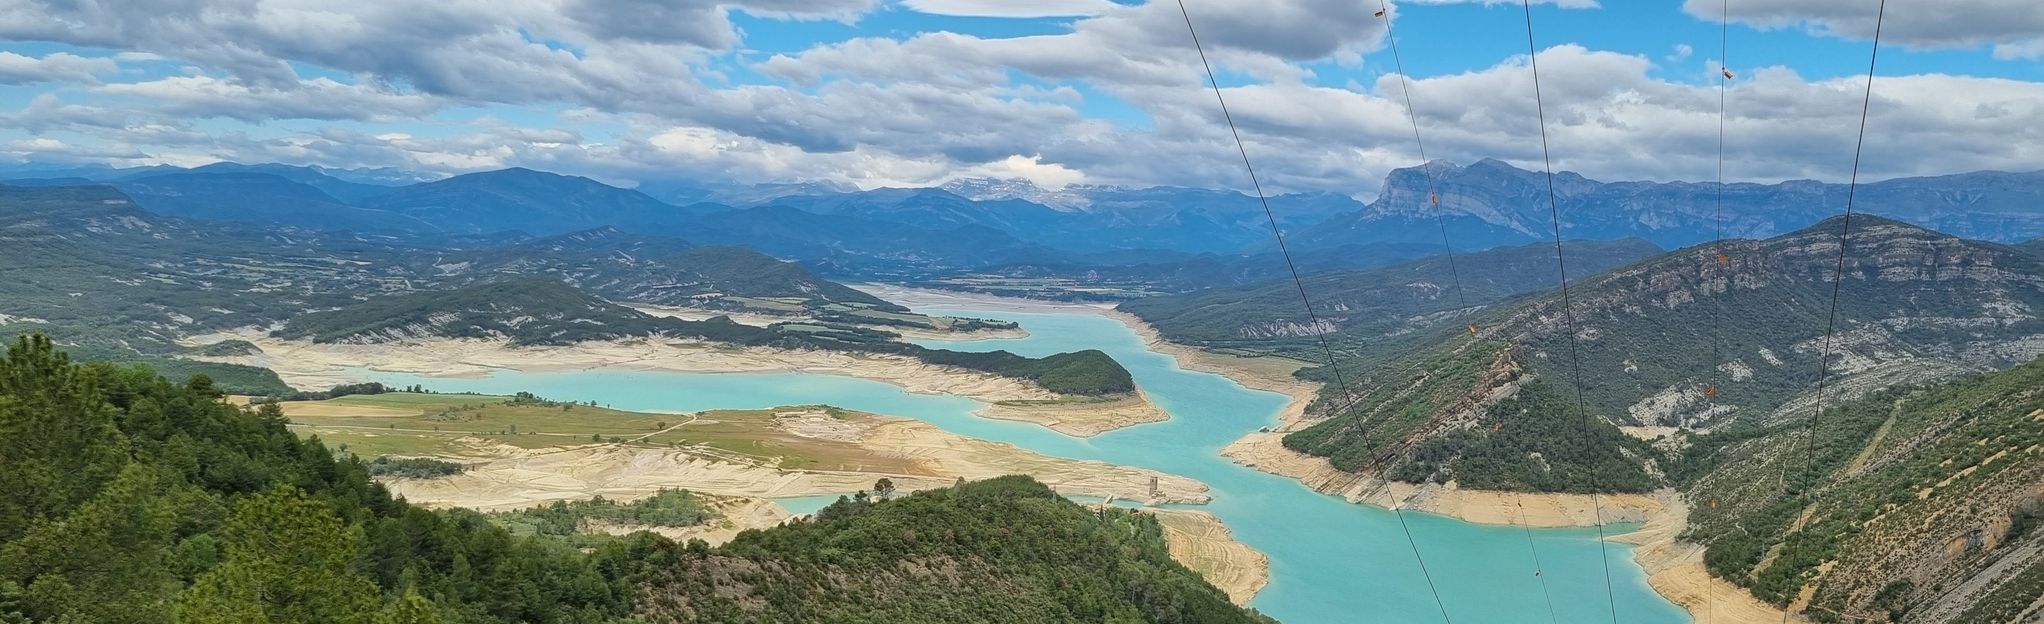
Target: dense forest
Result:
[1535, 440]
[1003, 550]
[133, 499]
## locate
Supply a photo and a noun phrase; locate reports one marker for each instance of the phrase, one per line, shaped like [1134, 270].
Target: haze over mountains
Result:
[983, 224]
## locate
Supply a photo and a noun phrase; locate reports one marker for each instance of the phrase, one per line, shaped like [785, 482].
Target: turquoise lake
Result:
[1331, 561]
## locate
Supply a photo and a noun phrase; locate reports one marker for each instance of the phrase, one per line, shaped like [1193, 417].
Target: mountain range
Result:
[89, 266]
[980, 225]
[1492, 203]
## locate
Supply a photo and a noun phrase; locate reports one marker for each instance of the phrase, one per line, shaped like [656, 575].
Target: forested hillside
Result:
[526, 311]
[112, 281]
[1361, 306]
[132, 499]
[1915, 504]
[1002, 550]
[1685, 340]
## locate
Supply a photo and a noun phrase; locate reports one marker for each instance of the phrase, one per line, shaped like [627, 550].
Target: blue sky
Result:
[915, 92]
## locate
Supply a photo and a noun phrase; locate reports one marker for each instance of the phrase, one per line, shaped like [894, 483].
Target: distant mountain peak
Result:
[985, 189]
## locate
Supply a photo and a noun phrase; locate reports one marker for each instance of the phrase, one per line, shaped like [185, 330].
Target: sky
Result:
[873, 93]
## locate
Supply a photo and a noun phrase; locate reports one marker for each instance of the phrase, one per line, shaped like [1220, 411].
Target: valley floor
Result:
[845, 451]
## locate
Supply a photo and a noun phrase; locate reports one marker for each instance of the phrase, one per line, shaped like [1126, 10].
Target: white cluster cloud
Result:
[58, 67]
[1011, 8]
[928, 107]
[2015, 28]
[1566, 4]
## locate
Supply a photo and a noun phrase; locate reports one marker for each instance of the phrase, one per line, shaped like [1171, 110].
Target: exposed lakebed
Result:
[1331, 561]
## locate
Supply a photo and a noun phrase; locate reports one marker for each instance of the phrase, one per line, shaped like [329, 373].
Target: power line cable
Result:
[1319, 332]
[1724, 262]
[1838, 275]
[1278, 234]
[1433, 203]
[1567, 307]
[1433, 190]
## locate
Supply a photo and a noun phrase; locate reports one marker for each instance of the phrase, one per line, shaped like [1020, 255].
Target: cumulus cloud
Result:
[924, 108]
[319, 98]
[59, 67]
[2014, 27]
[1566, 4]
[1011, 8]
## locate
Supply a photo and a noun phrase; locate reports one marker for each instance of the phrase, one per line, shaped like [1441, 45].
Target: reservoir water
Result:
[1331, 561]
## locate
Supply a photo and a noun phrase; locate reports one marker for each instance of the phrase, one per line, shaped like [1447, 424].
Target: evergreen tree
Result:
[58, 441]
[288, 560]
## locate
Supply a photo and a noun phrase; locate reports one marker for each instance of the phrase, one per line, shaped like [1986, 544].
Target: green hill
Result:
[2035, 246]
[651, 269]
[527, 311]
[535, 202]
[1916, 305]
[132, 499]
[1359, 307]
[1914, 504]
[1003, 550]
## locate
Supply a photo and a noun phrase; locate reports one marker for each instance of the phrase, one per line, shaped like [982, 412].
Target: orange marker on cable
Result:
[1710, 391]
[1724, 259]
[1472, 329]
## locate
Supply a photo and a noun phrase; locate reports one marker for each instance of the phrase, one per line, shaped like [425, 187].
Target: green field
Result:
[411, 424]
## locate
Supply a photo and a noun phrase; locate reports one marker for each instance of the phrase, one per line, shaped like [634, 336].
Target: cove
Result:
[1331, 561]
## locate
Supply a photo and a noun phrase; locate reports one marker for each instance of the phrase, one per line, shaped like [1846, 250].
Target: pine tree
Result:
[288, 560]
[58, 440]
[113, 550]
[409, 610]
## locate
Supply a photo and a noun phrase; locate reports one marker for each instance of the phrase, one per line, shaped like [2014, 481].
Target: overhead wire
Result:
[1724, 259]
[1278, 233]
[1844, 232]
[1567, 306]
[1838, 272]
[1433, 204]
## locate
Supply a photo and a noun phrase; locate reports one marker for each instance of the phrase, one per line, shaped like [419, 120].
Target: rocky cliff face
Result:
[1749, 330]
[1914, 498]
[1492, 203]
[1689, 341]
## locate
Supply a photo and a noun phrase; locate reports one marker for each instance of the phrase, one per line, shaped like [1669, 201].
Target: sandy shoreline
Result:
[1674, 568]
[305, 364]
[1201, 542]
[1081, 419]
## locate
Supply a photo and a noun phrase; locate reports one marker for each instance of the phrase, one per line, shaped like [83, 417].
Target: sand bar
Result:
[1201, 542]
